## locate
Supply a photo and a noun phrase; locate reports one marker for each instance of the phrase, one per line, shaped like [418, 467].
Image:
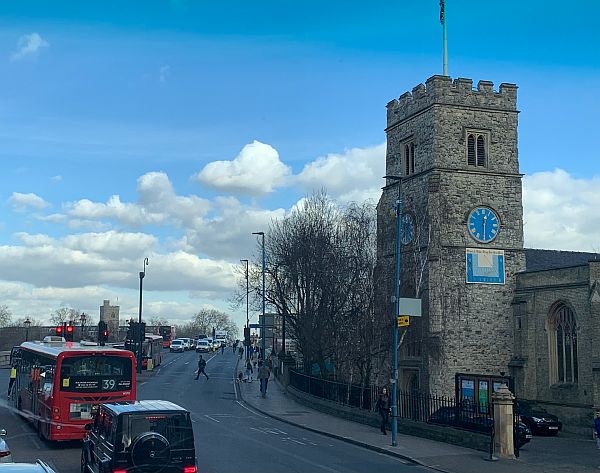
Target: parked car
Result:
[478, 423]
[538, 419]
[139, 437]
[202, 346]
[38, 467]
[524, 434]
[177, 346]
[5, 456]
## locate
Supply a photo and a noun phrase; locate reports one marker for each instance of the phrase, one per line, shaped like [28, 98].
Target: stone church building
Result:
[492, 310]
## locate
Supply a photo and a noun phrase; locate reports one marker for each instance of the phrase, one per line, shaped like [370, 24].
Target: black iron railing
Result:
[413, 405]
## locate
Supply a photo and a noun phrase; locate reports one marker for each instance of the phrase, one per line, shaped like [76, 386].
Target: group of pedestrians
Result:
[254, 363]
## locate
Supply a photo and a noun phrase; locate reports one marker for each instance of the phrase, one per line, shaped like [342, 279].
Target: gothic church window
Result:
[477, 149]
[562, 344]
[409, 158]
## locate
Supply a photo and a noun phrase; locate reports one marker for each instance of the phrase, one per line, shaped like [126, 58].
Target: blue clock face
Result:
[408, 228]
[483, 224]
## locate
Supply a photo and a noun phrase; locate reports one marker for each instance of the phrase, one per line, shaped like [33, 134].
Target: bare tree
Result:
[64, 314]
[157, 320]
[320, 261]
[5, 316]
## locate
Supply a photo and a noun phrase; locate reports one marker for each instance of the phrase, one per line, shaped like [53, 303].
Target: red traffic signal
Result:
[69, 329]
[105, 334]
[59, 330]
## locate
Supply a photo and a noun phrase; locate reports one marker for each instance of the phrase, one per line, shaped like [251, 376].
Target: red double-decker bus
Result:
[166, 331]
[60, 384]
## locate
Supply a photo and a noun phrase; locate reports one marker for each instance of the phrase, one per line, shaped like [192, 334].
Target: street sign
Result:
[254, 325]
[403, 321]
[409, 306]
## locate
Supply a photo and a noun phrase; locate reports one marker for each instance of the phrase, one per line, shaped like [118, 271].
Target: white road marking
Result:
[212, 418]
[187, 363]
[251, 410]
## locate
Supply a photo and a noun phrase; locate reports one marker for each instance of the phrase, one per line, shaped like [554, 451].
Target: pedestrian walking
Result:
[241, 351]
[201, 366]
[383, 406]
[263, 374]
[597, 428]
[249, 371]
[222, 348]
[13, 377]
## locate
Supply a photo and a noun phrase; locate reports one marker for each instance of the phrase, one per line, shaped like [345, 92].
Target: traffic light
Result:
[102, 332]
[59, 331]
[68, 333]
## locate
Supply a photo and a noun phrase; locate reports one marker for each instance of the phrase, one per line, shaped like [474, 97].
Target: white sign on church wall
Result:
[485, 266]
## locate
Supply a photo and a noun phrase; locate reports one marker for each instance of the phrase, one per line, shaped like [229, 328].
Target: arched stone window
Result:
[562, 345]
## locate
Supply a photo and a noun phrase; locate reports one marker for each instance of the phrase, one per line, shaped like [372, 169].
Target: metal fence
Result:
[363, 397]
[413, 405]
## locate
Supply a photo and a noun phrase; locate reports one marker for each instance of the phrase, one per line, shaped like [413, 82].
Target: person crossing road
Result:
[201, 366]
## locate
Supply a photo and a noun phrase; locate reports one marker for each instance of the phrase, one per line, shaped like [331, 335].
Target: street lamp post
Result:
[247, 310]
[27, 324]
[82, 318]
[263, 327]
[394, 379]
[140, 335]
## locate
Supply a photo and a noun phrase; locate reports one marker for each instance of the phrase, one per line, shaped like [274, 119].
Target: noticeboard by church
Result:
[485, 266]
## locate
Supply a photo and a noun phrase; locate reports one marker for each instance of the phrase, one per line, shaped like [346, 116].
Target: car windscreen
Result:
[93, 373]
[175, 427]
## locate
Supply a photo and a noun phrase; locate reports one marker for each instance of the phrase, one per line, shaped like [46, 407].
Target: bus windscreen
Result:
[95, 374]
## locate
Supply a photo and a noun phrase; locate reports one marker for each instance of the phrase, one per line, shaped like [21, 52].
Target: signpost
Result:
[403, 321]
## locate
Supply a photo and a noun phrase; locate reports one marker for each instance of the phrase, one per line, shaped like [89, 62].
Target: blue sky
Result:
[137, 99]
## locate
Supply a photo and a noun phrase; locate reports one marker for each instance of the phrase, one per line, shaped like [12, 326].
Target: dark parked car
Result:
[140, 437]
[466, 419]
[523, 434]
[538, 419]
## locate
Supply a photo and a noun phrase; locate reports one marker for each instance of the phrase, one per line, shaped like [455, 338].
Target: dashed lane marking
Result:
[212, 418]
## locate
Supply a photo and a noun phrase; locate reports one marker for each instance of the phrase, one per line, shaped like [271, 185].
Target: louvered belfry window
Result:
[476, 150]
[409, 159]
[471, 150]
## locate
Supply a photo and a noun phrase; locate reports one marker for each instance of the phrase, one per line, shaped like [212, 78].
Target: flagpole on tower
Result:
[445, 43]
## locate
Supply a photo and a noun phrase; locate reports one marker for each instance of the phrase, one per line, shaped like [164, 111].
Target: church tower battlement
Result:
[444, 90]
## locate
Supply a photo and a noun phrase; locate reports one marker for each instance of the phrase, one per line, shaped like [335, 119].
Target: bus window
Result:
[95, 373]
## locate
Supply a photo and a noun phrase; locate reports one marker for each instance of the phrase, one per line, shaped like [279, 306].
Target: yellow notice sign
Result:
[65, 382]
[403, 321]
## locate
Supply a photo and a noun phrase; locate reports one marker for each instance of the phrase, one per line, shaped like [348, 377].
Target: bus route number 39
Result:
[108, 384]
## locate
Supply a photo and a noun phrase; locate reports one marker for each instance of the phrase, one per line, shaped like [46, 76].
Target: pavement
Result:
[541, 455]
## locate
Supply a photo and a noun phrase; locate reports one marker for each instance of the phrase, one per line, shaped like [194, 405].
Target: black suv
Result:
[139, 437]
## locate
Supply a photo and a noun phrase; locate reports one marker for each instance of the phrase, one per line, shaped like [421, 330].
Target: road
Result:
[229, 436]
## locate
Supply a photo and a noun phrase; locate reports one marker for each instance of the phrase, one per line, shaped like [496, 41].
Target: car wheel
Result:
[151, 452]
[553, 433]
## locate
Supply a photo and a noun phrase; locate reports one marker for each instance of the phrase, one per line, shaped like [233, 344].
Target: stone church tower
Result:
[455, 149]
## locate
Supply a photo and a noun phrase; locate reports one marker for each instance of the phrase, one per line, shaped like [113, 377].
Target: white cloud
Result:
[57, 178]
[164, 73]
[158, 204]
[21, 202]
[27, 45]
[561, 212]
[52, 218]
[111, 259]
[257, 170]
[354, 175]
[229, 233]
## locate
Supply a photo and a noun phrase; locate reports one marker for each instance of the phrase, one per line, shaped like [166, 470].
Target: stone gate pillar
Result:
[503, 401]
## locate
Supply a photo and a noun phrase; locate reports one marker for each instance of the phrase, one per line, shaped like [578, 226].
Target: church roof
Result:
[542, 260]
